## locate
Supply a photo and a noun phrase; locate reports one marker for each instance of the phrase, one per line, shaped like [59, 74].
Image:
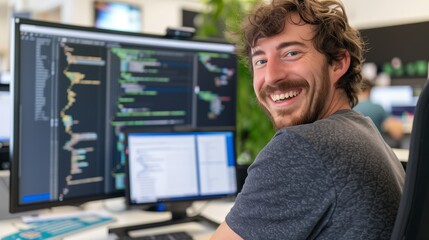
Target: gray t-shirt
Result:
[333, 179]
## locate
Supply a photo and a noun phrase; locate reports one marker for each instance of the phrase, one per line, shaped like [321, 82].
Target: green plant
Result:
[254, 129]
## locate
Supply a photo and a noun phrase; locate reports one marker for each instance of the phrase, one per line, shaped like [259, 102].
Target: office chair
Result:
[412, 220]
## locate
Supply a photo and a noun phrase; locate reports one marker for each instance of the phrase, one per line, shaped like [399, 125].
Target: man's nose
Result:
[275, 71]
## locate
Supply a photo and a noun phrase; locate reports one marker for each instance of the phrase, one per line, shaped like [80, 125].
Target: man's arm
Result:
[393, 127]
[225, 232]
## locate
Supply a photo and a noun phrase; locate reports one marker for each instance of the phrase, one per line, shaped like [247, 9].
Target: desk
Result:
[215, 210]
[402, 154]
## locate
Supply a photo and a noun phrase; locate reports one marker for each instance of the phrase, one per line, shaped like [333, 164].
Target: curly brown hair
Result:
[332, 31]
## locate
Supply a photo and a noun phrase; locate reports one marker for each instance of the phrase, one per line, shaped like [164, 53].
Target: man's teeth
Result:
[283, 96]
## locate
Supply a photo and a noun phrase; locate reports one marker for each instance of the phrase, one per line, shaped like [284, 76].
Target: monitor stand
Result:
[178, 216]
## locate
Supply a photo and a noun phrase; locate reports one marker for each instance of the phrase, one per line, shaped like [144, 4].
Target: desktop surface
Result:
[215, 210]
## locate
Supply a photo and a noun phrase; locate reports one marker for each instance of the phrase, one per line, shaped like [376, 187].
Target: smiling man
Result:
[327, 173]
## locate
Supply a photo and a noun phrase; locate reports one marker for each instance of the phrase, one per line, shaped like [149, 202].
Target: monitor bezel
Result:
[15, 87]
[131, 204]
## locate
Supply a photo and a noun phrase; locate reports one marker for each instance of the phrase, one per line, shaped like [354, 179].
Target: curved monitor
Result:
[75, 90]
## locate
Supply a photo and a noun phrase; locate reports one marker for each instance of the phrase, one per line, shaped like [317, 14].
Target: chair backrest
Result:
[412, 221]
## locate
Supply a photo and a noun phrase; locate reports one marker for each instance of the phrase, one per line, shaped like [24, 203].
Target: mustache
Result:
[282, 86]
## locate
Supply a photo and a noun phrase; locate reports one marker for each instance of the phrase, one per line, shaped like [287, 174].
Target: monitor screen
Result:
[6, 116]
[395, 99]
[178, 166]
[76, 89]
[117, 16]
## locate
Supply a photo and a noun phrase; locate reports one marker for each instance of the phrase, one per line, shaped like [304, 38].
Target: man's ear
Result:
[340, 67]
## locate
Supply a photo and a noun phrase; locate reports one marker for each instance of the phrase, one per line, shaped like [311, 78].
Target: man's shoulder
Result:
[329, 125]
[337, 131]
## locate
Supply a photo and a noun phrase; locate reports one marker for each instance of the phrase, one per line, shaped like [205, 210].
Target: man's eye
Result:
[292, 54]
[260, 62]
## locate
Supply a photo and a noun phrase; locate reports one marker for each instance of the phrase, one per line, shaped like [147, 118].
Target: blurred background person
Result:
[389, 126]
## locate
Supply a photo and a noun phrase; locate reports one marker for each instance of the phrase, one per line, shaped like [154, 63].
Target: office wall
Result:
[4, 40]
[378, 13]
[157, 14]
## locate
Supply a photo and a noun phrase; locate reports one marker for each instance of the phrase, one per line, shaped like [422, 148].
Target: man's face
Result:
[291, 79]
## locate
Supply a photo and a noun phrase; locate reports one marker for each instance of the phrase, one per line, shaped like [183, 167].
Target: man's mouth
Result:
[284, 96]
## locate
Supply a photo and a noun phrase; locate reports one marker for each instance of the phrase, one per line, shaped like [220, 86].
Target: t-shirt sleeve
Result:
[288, 193]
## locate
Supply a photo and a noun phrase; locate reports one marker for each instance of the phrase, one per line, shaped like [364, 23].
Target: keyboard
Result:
[55, 228]
[163, 236]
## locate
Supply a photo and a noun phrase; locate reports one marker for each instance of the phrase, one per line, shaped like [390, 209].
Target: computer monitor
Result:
[176, 167]
[76, 89]
[117, 16]
[395, 100]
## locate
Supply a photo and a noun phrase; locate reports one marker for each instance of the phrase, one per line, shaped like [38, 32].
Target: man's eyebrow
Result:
[288, 44]
[280, 46]
[256, 53]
